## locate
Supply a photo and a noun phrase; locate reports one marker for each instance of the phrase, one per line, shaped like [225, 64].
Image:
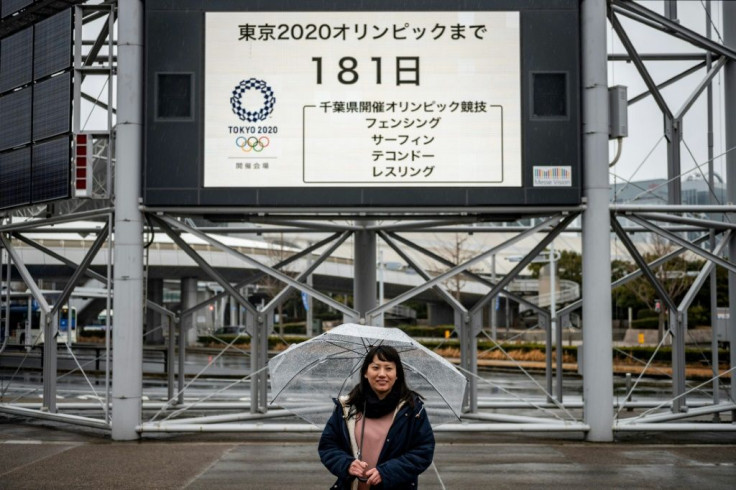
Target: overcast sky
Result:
[646, 126]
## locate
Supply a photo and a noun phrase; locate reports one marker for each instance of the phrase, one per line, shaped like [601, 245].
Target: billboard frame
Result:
[173, 173]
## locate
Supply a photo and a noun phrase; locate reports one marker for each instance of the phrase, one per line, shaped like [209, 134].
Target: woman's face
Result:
[381, 376]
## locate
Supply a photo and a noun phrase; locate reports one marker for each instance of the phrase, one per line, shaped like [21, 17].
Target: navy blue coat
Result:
[407, 451]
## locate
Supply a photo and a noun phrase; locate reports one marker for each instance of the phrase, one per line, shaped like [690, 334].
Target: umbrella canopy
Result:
[307, 376]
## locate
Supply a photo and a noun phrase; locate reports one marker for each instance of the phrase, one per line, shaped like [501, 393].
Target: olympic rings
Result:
[252, 143]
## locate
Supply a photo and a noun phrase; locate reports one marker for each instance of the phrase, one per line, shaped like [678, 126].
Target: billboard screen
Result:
[367, 98]
[308, 106]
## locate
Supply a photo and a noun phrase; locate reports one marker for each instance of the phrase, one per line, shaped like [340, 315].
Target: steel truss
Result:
[550, 410]
[88, 62]
[259, 320]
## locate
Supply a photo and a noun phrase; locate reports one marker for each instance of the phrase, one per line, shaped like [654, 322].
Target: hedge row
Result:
[664, 354]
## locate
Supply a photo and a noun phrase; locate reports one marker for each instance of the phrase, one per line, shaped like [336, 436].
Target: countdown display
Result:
[461, 105]
[376, 99]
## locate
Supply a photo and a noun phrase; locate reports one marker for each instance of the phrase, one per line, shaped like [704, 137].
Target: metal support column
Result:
[187, 325]
[46, 323]
[678, 326]
[712, 201]
[49, 324]
[468, 327]
[494, 307]
[546, 324]
[364, 278]
[259, 328]
[597, 329]
[189, 300]
[310, 305]
[560, 357]
[233, 311]
[127, 372]
[153, 332]
[729, 90]
[170, 353]
[673, 133]
[670, 9]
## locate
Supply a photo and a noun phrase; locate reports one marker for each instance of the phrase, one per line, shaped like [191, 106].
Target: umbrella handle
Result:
[362, 431]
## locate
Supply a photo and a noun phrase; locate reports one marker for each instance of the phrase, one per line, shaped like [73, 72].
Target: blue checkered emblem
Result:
[240, 91]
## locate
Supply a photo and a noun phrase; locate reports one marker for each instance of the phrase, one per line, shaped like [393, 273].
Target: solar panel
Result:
[15, 114]
[15, 178]
[52, 104]
[50, 170]
[12, 6]
[52, 46]
[16, 60]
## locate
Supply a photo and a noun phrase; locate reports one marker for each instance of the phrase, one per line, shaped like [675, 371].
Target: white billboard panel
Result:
[377, 99]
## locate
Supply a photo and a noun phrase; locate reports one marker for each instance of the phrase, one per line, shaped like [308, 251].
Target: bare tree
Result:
[278, 251]
[456, 250]
[672, 275]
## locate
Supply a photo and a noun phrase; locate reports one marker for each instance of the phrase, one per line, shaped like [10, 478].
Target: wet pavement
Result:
[49, 455]
[33, 455]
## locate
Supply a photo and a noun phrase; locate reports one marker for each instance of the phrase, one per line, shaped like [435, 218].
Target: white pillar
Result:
[127, 376]
[597, 330]
[188, 288]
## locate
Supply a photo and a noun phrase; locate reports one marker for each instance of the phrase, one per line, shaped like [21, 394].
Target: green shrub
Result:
[646, 313]
[664, 354]
[295, 328]
[645, 323]
[425, 331]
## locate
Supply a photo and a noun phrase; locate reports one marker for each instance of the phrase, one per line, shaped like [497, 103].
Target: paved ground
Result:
[35, 456]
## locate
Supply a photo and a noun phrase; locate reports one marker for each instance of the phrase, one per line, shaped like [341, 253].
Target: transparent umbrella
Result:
[307, 376]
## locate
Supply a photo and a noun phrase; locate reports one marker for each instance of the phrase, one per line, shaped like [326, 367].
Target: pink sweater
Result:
[376, 431]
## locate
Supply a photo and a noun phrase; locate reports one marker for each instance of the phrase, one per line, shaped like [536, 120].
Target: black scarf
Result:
[375, 407]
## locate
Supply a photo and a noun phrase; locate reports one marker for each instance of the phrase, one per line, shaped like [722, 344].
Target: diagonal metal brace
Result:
[89, 273]
[673, 28]
[683, 243]
[703, 275]
[668, 82]
[524, 262]
[257, 275]
[704, 83]
[26, 276]
[262, 267]
[646, 77]
[642, 264]
[303, 275]
[442, 292]
[83, 266]
[459, 268]
[208, 269]
[473, 275]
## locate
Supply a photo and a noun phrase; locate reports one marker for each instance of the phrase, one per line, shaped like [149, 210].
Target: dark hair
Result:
[385, 353]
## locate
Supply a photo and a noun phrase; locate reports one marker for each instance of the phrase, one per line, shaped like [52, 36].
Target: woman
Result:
[379, 435]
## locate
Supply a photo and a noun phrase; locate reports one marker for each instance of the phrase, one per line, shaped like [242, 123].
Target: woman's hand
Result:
[373, 476]
[357, 468]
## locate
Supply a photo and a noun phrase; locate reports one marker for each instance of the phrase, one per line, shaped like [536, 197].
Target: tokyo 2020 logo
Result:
[252, 143]
[240, 91]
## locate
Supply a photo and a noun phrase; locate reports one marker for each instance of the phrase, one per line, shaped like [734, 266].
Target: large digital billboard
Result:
[441, 104]
[370, 99]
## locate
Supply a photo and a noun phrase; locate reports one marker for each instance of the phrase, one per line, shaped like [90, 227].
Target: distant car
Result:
[94, 328]
[232, 330]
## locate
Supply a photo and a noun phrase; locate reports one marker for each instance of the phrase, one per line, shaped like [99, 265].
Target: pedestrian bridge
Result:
[164, 260]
